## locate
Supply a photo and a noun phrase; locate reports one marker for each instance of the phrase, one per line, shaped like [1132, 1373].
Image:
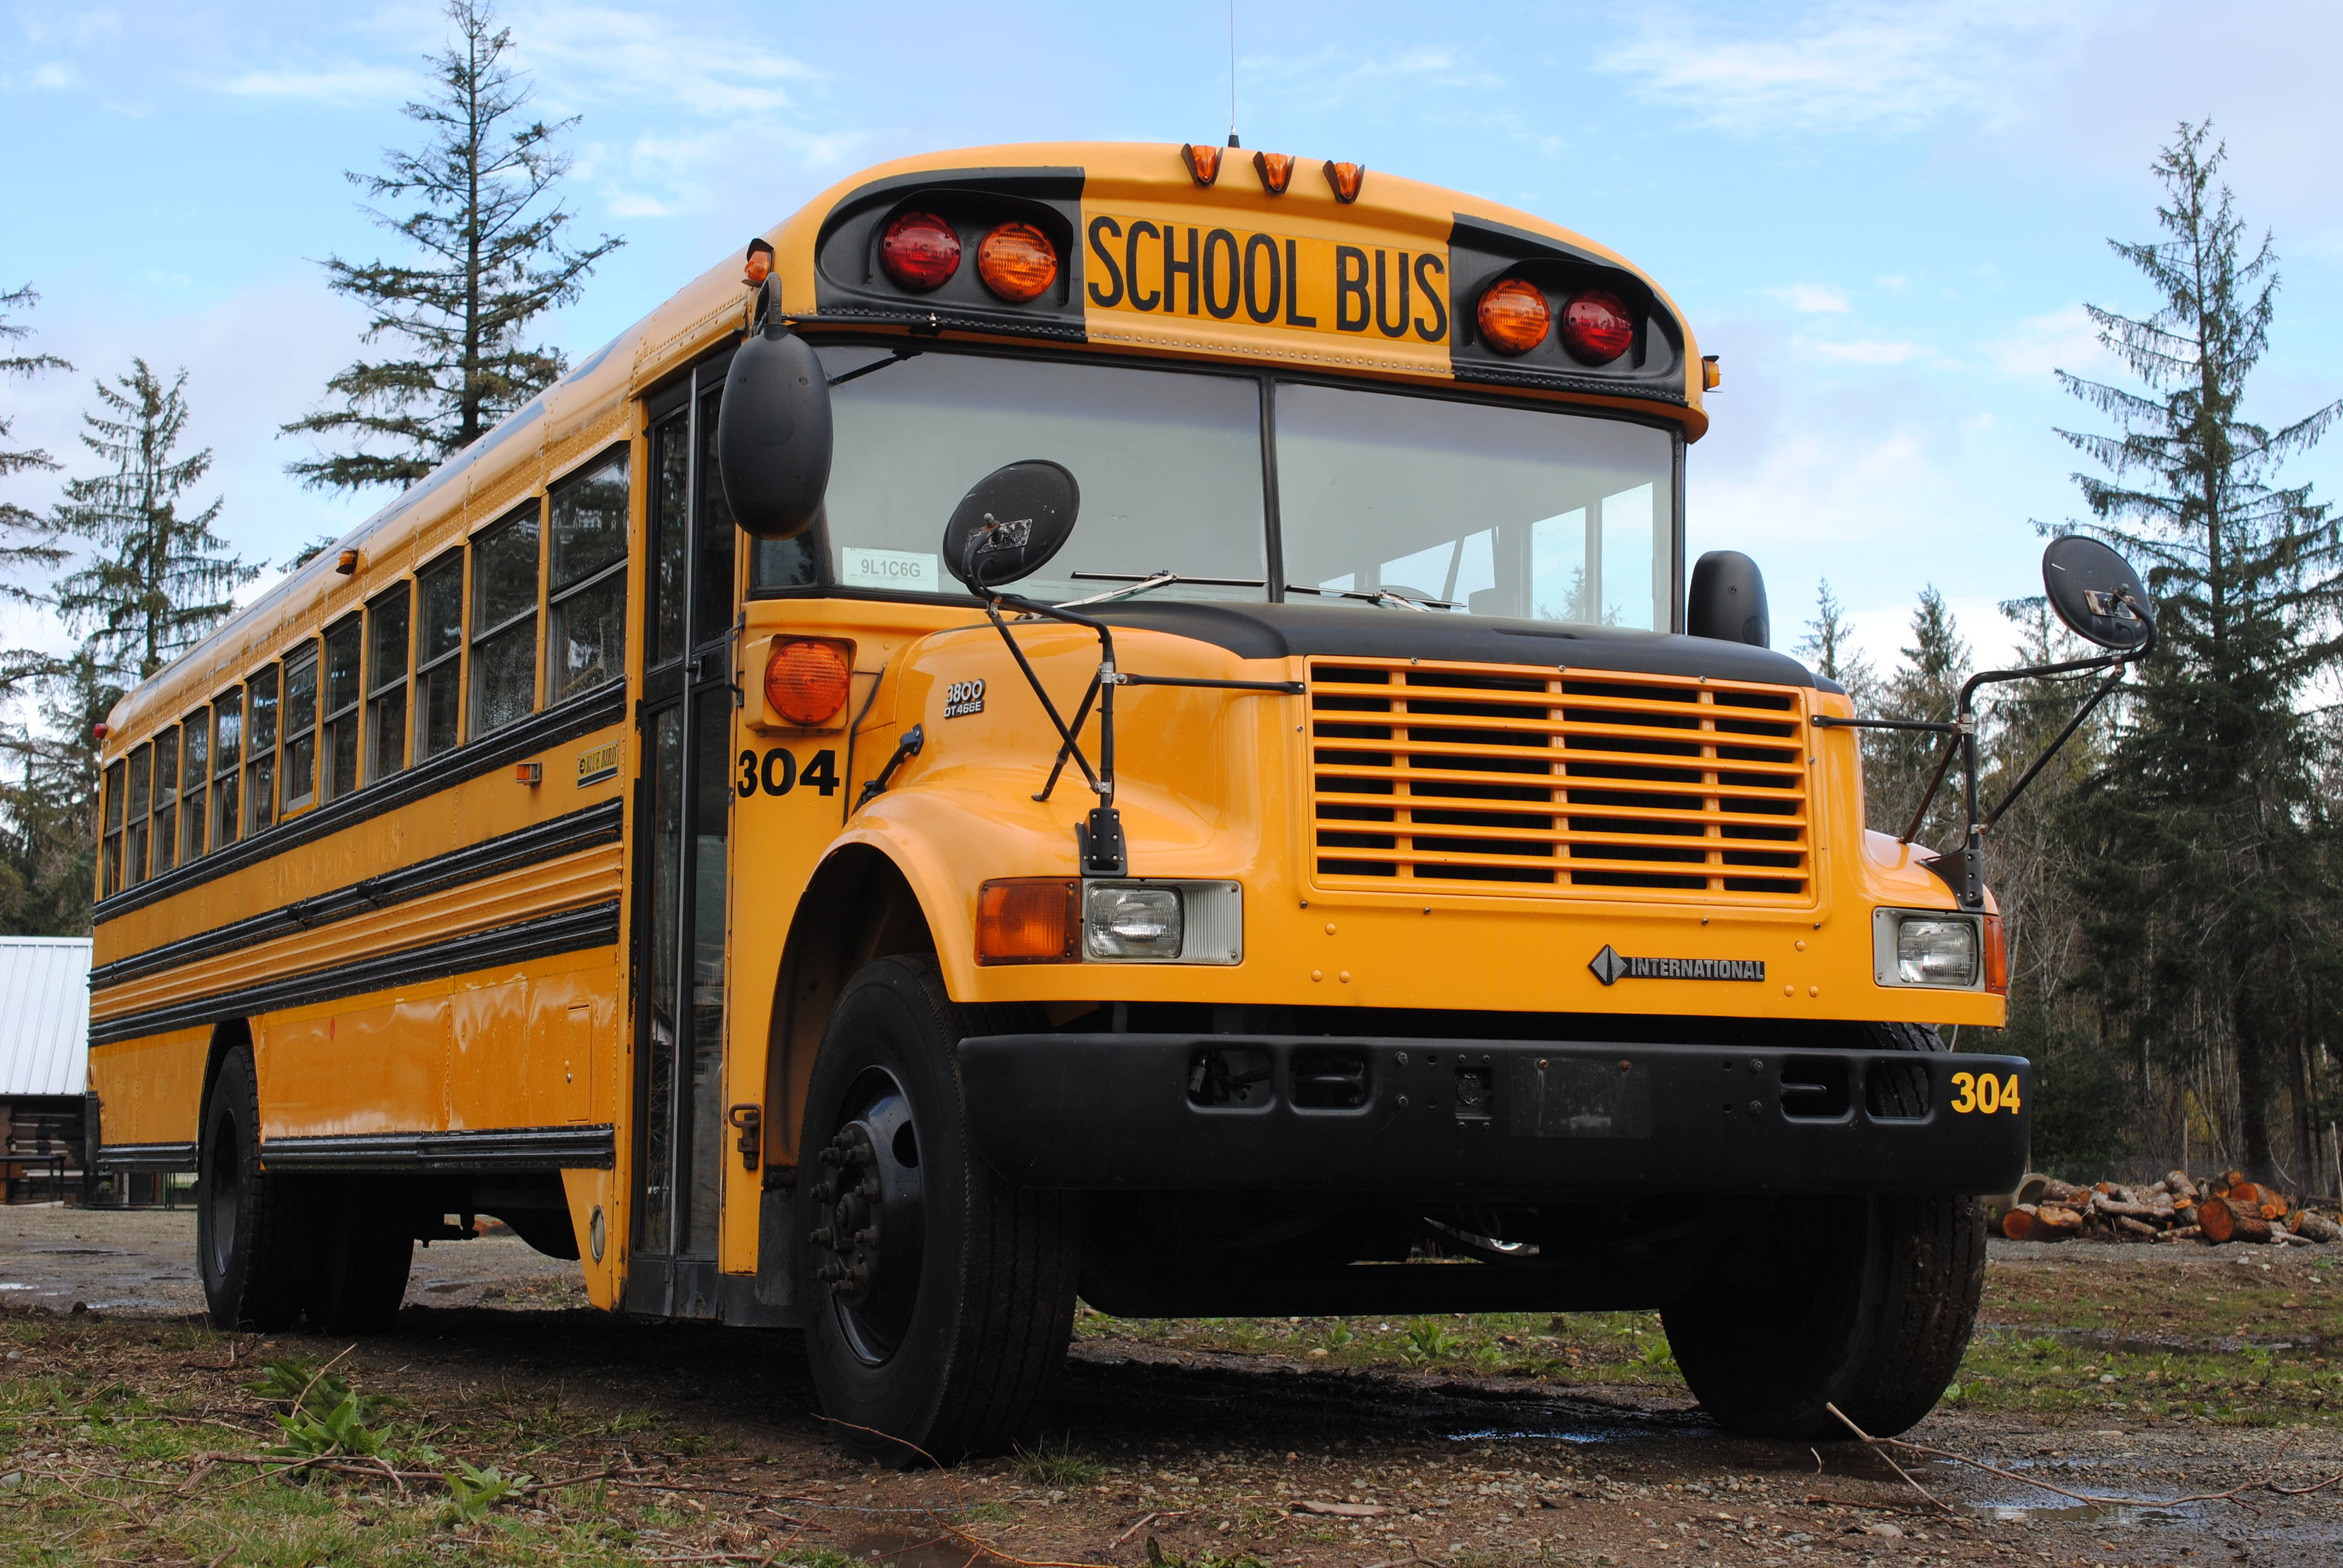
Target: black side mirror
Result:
[1727, 600]
[773, 434]
[1010, 524]
[2094, 591]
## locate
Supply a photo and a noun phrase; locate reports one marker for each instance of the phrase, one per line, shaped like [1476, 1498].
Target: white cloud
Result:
[1860, 351]
[346, 83]
[55, 75]
[1812, 298]
[2060, 339]
[702, 64]
[1843, 66]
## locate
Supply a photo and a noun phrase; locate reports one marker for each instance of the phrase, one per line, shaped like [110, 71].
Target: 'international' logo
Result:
[1611, 966]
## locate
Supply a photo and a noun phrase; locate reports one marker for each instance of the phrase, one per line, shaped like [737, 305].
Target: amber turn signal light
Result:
[1275, 169]
[1514, 315]
[1345, 179]
[806, 681]
[1997, 957]
[1203, 162]
[1711, 375]
[1017, 262]
[1029, 920]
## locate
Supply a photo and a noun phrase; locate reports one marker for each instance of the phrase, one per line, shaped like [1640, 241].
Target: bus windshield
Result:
[1457, 508]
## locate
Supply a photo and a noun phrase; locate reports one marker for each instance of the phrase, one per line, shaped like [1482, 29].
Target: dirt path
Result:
[1220, 1450]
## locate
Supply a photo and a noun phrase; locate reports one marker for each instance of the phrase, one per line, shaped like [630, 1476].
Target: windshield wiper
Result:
[897, 357]
[1423, 606]
[1136, 584]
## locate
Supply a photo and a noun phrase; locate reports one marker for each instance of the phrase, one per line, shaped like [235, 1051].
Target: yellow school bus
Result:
[1125, 719]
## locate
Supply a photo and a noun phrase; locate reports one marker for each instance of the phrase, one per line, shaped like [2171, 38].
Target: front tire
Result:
[939, 1299]
[254, 1230]
[1866, 1303]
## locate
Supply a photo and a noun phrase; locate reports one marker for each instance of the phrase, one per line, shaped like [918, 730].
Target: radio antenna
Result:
[1233, 73]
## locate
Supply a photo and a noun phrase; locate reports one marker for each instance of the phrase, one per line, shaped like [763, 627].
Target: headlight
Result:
[1922, 947]
[1163, 921]
[1131, 920]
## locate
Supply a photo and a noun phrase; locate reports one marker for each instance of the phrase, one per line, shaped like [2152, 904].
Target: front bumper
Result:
[1488, 1119]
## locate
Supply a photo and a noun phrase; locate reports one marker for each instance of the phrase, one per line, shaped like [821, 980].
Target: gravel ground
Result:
[1219, 1454]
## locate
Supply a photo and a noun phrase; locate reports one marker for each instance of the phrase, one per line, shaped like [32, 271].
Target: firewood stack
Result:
[2173, 1210]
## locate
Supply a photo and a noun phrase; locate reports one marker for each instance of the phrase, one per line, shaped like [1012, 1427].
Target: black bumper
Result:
[1140, 1112]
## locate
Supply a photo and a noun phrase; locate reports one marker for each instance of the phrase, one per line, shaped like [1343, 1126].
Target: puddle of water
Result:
[7, 1285]
[2139, 1510]
[1549, 1434]
[897, 1550]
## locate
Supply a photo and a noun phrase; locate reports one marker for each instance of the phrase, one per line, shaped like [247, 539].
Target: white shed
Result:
[44, 1065]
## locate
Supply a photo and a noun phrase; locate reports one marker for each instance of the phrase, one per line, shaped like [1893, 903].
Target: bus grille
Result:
[1496, 779]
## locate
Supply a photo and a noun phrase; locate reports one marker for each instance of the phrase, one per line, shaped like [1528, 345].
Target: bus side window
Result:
[504, 623]
[341, 753]
[440, 657]
[167, 801]
[195, 772]
[112, 852]
[133, 831]
[227, 749]
[386, 729]
[261, 751]
[301, 727]
[668, 507]
[586, 643]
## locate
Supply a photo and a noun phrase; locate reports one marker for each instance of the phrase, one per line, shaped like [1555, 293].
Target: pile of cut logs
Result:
[2174, 1209]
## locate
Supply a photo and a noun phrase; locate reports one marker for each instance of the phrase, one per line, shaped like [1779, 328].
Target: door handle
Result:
[750, 1121]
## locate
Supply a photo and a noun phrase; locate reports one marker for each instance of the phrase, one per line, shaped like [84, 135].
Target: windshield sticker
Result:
[897, 571]
[1611, 968]
[962, 697]
[1141, 265]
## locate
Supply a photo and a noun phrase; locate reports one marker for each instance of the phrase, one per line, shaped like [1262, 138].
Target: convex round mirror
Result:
[2094, 591]
[1010, 524]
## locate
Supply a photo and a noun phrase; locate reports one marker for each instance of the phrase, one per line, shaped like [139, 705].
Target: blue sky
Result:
[1886, 218]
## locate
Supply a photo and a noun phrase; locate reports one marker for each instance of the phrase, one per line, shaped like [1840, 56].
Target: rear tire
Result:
[367, 1248]
[253, 1231]
[939, 1299]
[1866, 1303]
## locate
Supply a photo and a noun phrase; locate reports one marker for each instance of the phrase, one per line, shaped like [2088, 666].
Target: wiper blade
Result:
[1136, 584]
[1378, 596]
[897, 357]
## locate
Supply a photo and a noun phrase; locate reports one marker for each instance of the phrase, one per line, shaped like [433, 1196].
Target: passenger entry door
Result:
[683, 823]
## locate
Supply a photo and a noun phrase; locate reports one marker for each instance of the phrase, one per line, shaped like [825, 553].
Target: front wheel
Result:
[938, 1298]
[1866, 1303]
[254, 1230]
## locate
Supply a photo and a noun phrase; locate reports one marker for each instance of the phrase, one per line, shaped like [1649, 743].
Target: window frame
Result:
[476, 638]
[331, 720]
[559, 597]
[302, 655]
[262, 810]
[164, 837]
[136, 831]
[194, 796]
[448, 663]
[109, 852]
[227, 769]
[378, 690]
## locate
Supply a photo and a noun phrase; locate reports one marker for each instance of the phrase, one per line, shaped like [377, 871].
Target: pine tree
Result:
[1829, 643]
[1898, 765]
[494, 262]
[48, 803]
[23, 539]
[2212, 886]
[156, 581]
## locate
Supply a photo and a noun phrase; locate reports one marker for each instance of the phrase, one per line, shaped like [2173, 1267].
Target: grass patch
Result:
[1064, 1465]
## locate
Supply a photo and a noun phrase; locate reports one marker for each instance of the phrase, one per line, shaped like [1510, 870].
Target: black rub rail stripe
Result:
[146, 1157]
[606, 705]
[493, 1149]
[571, 931]
[541, 842]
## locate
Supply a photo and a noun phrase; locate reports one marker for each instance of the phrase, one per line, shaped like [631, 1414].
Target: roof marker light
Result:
[1514, 315]
[919, 251]
[1203, 162]
[1596, 327]
[1345, 178]
[1275, 169]
[1017, 261]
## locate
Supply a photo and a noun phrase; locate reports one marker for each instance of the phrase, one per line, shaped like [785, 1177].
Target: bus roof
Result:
[1305, 250]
